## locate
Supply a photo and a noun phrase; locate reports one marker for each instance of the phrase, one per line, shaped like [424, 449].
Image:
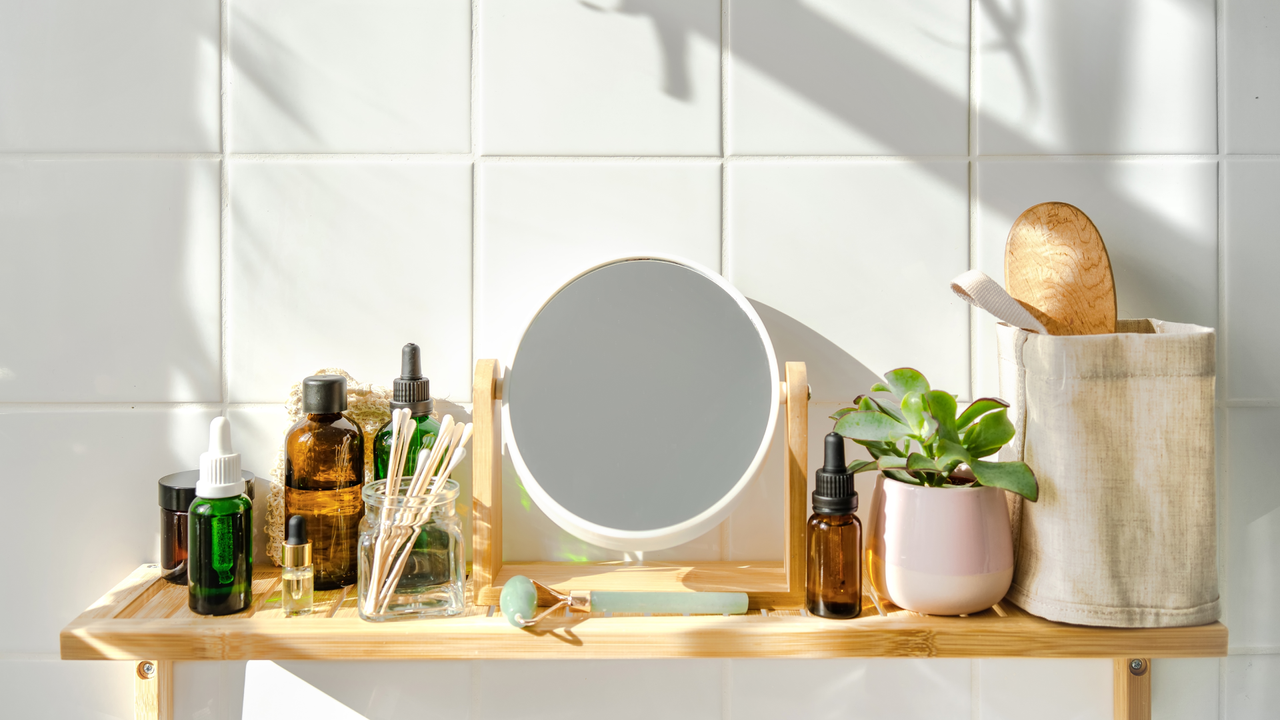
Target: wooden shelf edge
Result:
[630, 637]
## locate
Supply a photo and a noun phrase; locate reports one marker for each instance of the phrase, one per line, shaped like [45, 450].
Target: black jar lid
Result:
[178, 491]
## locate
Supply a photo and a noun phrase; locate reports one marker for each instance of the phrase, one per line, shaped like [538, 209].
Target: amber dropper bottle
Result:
[834, 585]
[323, 479]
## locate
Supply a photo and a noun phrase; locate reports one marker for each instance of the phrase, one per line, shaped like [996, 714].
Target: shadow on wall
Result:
[868, 89]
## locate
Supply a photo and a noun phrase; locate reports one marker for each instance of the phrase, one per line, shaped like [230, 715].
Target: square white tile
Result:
[56, 689]
[1184, 688]
[114, 263]
[860, 253]
[839, 77]
[594, 689]
[1253, 527]
[99, 469]
[339, 264]
[381, 690]
[111, 76]
[1096, 77]
[541, 223]
[606, 77]
[386, 76]
[1018, 688]
[870, 689]
[209, 690]
[1250, 83]
[1252, 687]
[1251, 337]
[1158, 218]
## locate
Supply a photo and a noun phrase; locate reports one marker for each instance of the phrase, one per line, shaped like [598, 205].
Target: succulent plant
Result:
[919, 439]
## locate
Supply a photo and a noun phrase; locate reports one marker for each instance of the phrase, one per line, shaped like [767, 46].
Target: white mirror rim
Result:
[671, 535]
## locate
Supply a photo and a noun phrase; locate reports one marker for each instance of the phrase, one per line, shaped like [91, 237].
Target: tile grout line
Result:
[224, 217]
[1224, 494]
[726, 528]
[974, 316]
[475, 189]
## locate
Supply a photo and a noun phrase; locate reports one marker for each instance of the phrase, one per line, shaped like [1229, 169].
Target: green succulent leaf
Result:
[903, 381]
[880, 387]
[874, 426]
[842, 412]
[951, 453]
[942, 406]
[889, 463]
[989, 434]
[916, 461]
[913, 412]
[890, 410]
[1012, 476]
[978, 408]
[902, 476]
[858, 466]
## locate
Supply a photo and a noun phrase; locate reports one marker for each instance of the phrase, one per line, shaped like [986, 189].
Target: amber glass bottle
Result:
[833, 588]
[323, 478]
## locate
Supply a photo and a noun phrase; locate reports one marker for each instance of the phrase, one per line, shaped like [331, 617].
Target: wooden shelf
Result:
[146, 618]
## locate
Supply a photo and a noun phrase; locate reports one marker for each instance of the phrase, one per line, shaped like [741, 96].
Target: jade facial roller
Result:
[519, 602]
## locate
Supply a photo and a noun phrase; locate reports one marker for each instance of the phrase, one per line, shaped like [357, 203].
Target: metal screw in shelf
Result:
[146, 670]
[1137, 666]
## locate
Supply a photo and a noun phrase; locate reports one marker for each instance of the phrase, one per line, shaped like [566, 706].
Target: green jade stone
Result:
[520, 597]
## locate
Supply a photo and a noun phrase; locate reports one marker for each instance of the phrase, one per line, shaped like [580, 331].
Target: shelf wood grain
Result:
[131, 623]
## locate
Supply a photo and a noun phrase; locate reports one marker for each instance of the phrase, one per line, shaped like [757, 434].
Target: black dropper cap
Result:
[296, 531]
[324, 394]
[834, 493]
[411, 390]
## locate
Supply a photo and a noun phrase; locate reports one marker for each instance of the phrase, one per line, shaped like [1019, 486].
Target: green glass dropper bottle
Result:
[412, 391]
[220, 531]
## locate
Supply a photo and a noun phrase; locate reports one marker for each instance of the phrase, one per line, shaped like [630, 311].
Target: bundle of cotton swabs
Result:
[398, 528]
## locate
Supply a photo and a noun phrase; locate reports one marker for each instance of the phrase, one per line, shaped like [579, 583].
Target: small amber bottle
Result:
[834, 585]
[323, 479]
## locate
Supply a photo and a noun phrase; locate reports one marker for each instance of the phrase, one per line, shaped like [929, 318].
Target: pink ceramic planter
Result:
[939, 551]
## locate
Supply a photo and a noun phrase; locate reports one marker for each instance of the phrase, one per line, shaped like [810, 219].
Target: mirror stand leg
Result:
[1132, 678]
[153, 690]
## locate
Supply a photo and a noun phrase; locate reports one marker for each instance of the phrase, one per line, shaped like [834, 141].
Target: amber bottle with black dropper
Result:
[833, 588]
[323, 479]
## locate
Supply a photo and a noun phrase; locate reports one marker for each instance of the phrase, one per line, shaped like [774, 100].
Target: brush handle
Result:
[694, 603]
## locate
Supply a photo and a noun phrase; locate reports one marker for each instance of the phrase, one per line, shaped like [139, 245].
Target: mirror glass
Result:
[641, 400]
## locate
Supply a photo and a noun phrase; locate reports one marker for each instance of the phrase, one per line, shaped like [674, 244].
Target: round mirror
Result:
[672, 388]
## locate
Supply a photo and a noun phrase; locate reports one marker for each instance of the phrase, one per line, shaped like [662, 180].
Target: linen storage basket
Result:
[1119, 430]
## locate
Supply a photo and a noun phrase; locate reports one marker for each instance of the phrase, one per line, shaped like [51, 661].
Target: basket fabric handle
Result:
[979, 290]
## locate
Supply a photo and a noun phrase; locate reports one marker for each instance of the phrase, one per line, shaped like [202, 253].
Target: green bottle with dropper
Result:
[220, 531]
[410, 391]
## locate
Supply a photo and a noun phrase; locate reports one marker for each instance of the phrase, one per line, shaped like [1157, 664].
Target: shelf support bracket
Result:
[153, 690]
[1132, 677]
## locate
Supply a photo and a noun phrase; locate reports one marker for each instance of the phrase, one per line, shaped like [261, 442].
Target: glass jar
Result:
[415, 548]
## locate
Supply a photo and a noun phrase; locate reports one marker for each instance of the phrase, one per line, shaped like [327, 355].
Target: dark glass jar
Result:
[177, 492]
[834, 586]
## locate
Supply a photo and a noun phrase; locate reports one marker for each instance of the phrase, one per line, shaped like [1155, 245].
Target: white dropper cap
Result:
[219, 468]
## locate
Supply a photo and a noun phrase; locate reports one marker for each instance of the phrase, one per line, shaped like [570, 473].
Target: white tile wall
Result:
[322, 253]
[109, 76]
[842, 77]
[817, 241]
[390, 76]
[897, 689]
[1252, 254]
[1013, 689]
[1096, 77]
[154, 276]
[1250, 83]
[600, 77]
[110, 277]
